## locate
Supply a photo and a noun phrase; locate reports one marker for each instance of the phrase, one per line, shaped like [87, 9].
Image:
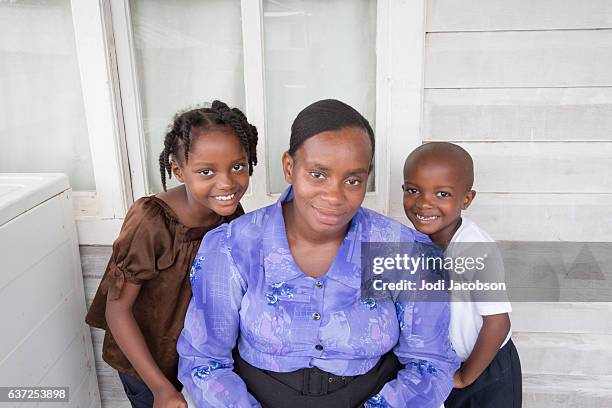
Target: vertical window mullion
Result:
[130, 99]
[406, 21]
[94, 48]
[378, 199]
[254, 82]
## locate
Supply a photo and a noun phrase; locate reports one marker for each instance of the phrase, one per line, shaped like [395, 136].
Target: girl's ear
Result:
[288, 163]
[176, 170]
[467, 200]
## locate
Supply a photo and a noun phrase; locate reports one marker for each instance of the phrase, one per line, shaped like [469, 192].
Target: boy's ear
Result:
[177, 171]
[467, 200]
[288, 163]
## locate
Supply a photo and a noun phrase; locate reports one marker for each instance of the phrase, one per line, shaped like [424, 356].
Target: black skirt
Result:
[312, 387]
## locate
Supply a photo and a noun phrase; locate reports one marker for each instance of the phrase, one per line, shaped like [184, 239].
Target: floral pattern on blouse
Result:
[250, 292]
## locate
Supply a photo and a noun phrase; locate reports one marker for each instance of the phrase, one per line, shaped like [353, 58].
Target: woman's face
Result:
[329, 174]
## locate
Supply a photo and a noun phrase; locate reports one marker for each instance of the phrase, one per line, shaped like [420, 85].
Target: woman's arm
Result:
[211, 328]
[429, 361]
[494, 330]
[424, 347]
[128, 336]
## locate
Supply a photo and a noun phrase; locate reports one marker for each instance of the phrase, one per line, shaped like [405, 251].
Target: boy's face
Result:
[435, 192]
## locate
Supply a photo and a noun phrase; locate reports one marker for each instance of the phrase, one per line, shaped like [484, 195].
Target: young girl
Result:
[145, 291]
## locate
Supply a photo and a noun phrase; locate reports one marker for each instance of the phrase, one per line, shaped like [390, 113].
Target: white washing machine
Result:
[44, 340]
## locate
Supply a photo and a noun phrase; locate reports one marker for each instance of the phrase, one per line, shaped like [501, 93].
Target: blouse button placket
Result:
[318, 293]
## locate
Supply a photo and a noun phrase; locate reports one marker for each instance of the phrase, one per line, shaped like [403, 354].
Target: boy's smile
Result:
[435, 192]
[426, 218]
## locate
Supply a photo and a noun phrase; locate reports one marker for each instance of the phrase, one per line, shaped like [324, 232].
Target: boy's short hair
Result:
[446, 152]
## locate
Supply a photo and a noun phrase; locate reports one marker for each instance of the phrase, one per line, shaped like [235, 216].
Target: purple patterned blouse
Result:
[248, 289]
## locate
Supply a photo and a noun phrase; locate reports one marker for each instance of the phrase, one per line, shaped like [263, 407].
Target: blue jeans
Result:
[138, 393]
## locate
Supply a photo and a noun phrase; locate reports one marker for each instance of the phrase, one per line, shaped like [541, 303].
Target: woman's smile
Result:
[328, 216]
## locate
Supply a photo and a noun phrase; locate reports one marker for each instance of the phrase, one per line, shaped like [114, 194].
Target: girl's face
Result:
[216, 174]
[329, 174]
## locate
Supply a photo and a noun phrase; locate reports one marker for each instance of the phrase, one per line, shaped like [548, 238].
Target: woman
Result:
[283, 283]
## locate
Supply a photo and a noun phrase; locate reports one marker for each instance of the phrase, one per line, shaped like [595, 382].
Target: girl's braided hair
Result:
[178, 139]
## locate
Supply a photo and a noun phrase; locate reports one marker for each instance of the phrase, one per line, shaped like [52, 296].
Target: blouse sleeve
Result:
[424, 349]
[143, 241]
[211, 328]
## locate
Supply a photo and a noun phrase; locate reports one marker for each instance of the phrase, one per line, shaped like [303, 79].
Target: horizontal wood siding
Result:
[518, 114]
[495, 15]
[526, 87]
[509, 59]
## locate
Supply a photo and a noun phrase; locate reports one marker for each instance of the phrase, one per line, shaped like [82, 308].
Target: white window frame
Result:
[99, 213]
[105, 49]
[406, 52]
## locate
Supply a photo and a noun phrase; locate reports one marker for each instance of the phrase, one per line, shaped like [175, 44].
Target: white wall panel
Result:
[82, 397]
[556, 167]
[583, 354]
[71, 367]
[594, 318]
[519, 59]
[492, 15]
[45, 345]
[26, 240]
[544, 217]
[518, 114]
[45, 339]
[526, 87]
[48, 281]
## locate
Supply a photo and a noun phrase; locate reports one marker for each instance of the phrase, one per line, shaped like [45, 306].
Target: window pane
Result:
[42, 119]
[187, 52]
[314, 50]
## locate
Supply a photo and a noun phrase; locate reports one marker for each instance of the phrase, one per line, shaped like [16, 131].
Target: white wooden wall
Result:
[45, 341]
[526, 87]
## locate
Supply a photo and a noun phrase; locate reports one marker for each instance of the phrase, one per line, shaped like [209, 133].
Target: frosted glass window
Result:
[314, 50]
[42, 119]
[187, 52]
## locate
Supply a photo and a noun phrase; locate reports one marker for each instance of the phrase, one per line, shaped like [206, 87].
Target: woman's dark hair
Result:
[178, 139]
[326, 115]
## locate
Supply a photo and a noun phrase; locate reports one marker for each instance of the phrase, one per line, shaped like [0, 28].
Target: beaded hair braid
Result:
[178, 139]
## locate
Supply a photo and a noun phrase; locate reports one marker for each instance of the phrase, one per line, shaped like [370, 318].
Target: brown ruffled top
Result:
[153, 249]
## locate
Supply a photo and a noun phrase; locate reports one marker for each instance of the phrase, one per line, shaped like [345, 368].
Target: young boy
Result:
[438, 180]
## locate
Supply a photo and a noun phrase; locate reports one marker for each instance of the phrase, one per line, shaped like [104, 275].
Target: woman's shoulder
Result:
[243, 231]
[381, 228]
